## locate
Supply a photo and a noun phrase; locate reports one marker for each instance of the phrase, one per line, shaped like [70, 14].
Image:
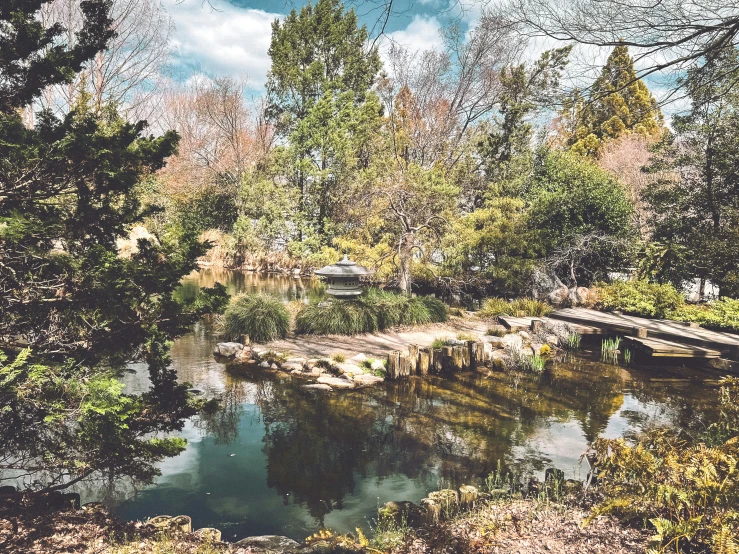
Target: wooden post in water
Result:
[424, 361]
[393, 364]
[466, 355]
[458, 357]
[639, 332]
[404, 369]
[437, 362]
[413, 358]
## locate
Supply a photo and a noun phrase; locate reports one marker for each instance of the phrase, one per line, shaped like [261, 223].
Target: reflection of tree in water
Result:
[223, 424]
[457, 429]
[685, 397]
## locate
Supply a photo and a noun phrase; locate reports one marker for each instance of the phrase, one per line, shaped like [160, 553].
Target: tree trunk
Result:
[405, 255]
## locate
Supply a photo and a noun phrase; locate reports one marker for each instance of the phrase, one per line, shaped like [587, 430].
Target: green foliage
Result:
[261, 316]
[69, 189]
[494, 307]
[573, 341]
[82, 422]
[525, 361]
[573, 199]
[640, 298]
[619, 103]
[495, 243]
[314, 51]
[374, 310]
[721, 315]
[694, 201]
[688, 492]
[495, 332]
[338, 358]
[33, 57]
[209, 301]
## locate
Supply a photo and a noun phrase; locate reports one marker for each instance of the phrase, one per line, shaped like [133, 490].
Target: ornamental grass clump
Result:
[374, 310]
[261, 316]
[528, 307]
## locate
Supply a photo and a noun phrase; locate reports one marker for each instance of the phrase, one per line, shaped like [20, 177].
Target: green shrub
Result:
[374, 310]
[640, 298]
[466, 337]
[496, 332]
[338, 358]
[722, 315]
[531, 307]
[494, 307]
[263, 317]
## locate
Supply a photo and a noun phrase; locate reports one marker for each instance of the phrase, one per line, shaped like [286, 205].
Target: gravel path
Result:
[378, 344]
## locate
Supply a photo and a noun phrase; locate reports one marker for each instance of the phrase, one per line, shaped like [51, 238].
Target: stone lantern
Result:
[342, 278]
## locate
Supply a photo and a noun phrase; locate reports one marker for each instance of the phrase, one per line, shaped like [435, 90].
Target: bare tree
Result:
[129, 72]
[626, 158]
[664, 35]
[440, 97]
[221, 139]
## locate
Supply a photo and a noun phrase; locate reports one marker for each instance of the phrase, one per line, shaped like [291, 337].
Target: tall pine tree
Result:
[618, 103]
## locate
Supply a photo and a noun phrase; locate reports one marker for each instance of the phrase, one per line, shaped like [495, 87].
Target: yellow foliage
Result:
[689, 492]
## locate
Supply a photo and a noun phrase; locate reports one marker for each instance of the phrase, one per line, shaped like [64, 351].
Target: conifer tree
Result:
[619, 103]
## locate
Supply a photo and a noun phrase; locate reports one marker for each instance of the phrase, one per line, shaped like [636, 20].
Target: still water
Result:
[282, 460]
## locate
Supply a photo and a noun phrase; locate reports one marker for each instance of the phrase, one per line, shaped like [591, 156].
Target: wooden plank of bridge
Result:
[515, 323]
[659, 348]
[675, 331]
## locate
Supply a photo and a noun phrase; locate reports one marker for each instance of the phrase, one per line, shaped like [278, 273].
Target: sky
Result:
[232, 38]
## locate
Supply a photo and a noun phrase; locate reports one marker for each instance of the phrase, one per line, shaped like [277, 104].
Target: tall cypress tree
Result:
[618, 103]
[73, 311]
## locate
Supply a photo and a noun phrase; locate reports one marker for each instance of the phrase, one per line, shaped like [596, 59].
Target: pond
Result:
[279, 459]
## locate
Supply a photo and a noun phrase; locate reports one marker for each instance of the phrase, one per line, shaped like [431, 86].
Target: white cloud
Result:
[422, 33]
[228, 41]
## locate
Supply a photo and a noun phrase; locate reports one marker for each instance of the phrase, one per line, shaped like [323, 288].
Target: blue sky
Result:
[233, 38]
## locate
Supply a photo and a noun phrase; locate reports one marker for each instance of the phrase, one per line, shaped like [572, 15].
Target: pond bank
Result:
[525, 526]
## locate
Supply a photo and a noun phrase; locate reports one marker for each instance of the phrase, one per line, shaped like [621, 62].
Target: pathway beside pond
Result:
[380, 343]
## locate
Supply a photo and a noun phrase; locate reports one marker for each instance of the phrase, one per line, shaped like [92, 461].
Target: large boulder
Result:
[228, 349]
[349, 369]
[579, 296]
[513, 341]
[559, 296]
[367, 380]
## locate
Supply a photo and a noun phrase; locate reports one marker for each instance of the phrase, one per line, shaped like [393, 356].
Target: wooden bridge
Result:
[655, 337]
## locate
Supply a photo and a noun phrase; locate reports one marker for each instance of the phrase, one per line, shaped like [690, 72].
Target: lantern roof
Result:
[344, 268]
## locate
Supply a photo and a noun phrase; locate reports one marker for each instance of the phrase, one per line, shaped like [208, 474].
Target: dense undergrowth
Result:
[374, 310]
[644, 299]
[686, 489]
[261, 316]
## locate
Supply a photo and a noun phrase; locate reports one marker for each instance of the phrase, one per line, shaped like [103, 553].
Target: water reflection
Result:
[279, 459]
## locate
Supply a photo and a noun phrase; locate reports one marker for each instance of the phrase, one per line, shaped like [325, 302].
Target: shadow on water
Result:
[278, 459]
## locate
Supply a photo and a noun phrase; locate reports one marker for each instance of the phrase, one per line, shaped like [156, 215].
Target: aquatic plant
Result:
[572, 341]
[261, 316]
[688, 491]
[627, 356]
[374, 310]
[524, 361]
[609, 350]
